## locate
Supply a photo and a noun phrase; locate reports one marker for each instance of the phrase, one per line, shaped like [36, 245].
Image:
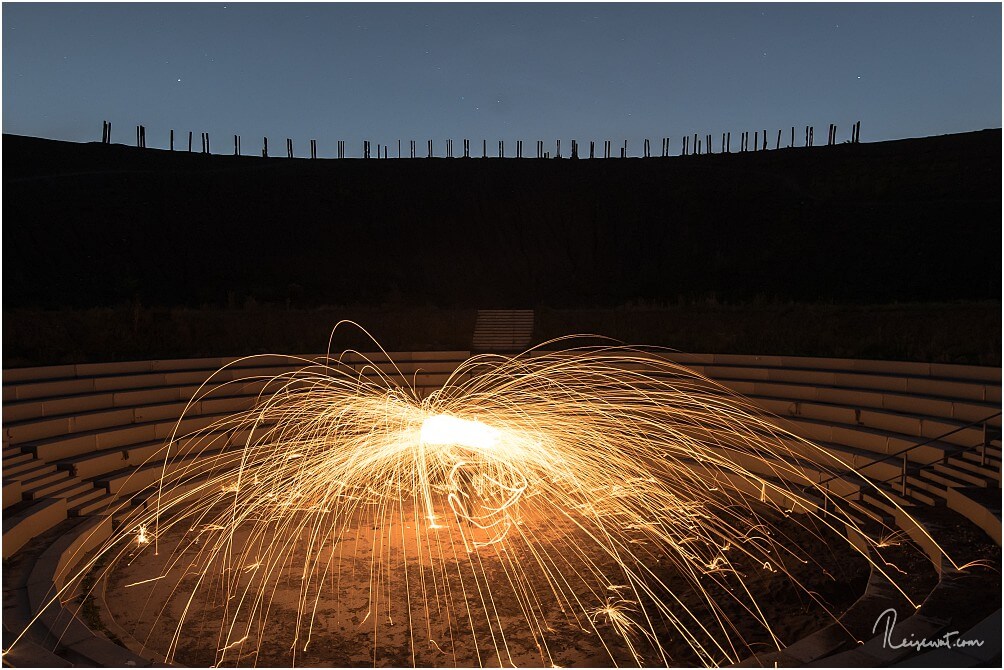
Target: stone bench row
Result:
[79, 385]
[968, 383]
[816, 422]
[830, 425]
[45, 587]
[868, 432]
[844, 365]
[13, 376]
[884, 411]
[916, 369]
[861, 418]
[859, 436]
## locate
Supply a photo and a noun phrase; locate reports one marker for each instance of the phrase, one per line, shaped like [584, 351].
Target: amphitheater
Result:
[76, 438]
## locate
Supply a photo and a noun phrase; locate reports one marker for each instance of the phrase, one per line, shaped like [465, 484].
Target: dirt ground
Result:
[390, 591]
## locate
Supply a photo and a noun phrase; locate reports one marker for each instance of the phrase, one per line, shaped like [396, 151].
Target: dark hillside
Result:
[92, 225]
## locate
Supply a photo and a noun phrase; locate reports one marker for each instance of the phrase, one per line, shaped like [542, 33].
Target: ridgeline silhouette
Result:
[102, 224]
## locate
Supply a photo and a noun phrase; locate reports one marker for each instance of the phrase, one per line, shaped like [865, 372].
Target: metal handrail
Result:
[983, 460]
[983, 446]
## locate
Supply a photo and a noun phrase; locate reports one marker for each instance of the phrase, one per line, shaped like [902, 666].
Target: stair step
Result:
[85, 496]
[35, 483]
[499, 324]
[61, 488]
[73, 488]
[989, 471]
[95, 505]
[20, 457]
[503, 329]
[29, 468]
[946, 479]
[927, 490]
[975, 457]
[864, 511]
[875, 499]
[926, 493]
[965, 475]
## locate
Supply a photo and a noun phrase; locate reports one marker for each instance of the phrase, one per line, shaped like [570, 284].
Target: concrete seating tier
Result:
[878, 407]
[81, 440]
[72, 425]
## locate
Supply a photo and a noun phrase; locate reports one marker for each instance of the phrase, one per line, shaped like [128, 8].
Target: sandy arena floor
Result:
[390, 591]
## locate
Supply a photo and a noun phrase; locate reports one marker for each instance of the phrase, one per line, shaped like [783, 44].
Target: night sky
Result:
[384, 72]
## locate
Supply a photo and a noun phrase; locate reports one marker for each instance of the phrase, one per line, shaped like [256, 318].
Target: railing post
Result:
[903, 477]
[985, 445]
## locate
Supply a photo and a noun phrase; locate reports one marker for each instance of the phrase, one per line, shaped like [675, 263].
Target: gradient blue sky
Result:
[385, 72]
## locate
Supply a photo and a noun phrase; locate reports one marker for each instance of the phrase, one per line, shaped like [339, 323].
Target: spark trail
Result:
[605, 491]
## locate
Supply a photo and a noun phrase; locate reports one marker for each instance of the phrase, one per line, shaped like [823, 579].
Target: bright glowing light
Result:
[445, 430]
[586, 471]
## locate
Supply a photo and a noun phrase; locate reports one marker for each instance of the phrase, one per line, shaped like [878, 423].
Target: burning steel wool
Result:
[604, 499]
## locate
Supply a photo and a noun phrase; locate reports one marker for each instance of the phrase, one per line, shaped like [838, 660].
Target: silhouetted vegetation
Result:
[114, 252]
[967, 333]
[97, 225]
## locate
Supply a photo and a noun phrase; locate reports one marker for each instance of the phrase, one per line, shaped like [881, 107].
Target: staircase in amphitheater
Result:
[76, 439]
[503, 330]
